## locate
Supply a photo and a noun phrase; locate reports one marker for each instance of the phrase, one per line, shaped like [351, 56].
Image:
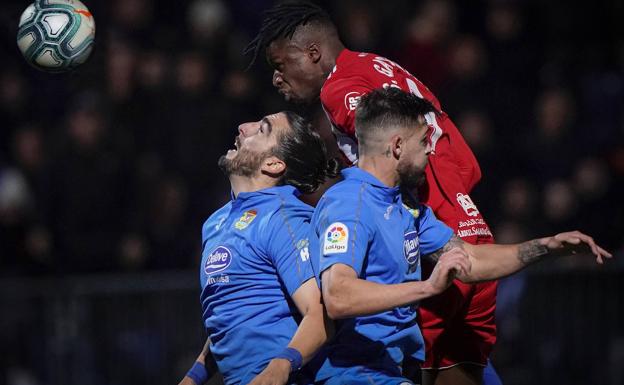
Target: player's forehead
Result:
[280, 48]
[278, 122]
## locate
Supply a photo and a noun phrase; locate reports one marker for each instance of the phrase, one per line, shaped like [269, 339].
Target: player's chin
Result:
[298, 100]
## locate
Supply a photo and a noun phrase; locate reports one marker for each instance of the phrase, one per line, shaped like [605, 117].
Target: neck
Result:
[381, 168]
[241, 183]
[333, 50]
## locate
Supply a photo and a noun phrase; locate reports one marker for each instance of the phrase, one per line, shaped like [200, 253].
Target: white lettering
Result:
[384, 66]
[219, 279]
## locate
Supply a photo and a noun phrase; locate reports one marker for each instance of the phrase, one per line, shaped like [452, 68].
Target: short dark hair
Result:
[282, 21]
[305, 155]
[387, 108]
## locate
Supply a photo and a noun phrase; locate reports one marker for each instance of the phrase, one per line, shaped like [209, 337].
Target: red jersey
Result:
[453, 169]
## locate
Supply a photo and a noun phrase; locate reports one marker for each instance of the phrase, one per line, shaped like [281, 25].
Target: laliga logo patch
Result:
[351, 100]
[218, 260]
[246, 219]
[336, 239]
[411, 251]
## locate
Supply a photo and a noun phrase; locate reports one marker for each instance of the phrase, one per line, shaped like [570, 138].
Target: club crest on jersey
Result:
[351, 100]
[415, 212]
[411, 251]
[218, 260]
[336, 239]
[246, 219]
[467, 204]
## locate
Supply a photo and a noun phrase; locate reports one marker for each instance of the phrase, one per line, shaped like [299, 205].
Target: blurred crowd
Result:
[112, 167]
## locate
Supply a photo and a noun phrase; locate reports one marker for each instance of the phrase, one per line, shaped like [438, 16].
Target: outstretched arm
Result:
[497, 261]
[347, 296]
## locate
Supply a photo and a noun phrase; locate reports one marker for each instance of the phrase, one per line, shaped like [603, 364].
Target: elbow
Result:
[336, 307]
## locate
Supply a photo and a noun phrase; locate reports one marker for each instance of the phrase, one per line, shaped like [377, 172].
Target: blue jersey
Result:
[362, 223]
[254, 257]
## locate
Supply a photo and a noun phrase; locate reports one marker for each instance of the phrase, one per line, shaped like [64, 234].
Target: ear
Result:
[273, 166]
[314, 52]
[397, 146]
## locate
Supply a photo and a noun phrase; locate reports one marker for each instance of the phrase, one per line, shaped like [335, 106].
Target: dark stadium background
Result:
[107, 173]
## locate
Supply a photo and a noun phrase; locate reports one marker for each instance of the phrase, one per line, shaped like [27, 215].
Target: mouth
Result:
[233, 151]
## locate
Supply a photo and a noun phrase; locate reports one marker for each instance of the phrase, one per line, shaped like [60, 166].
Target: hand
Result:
[276, 373]
[187, 381]
[451, 264]
[574, 242]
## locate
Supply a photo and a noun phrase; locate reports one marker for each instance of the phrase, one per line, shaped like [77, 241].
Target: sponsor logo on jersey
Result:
[467, 204]
[411, 251]
[351, 100]
[336, 239]
[246, 219]
[218, 260]
[304, 252]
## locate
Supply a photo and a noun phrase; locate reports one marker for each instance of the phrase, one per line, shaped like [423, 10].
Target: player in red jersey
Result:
[310, 61]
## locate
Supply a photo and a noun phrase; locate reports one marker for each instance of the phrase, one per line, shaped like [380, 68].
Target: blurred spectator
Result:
[428, 33]
[89, 188]
[553, 146]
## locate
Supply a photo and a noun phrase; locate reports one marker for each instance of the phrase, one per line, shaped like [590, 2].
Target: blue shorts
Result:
[361, 375]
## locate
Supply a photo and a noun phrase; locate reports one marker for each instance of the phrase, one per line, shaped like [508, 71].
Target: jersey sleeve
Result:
[465, 160]
[288, 248]
[432, 233]
[342, 235]
[339, 99]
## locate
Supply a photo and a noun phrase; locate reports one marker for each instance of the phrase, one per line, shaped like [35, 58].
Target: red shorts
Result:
[459, 325]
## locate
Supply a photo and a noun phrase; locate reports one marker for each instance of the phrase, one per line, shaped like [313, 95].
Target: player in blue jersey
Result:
[261, 306]
[367, 246]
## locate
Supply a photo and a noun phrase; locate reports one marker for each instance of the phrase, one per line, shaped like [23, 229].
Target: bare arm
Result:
[313, 331]
[346, 295]
[205, 358]
[496, 261]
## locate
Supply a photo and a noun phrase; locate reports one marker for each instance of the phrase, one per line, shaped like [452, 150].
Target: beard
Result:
[411, 176]
[245, 163]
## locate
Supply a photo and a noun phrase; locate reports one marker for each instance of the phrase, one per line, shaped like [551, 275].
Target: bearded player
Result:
[310, 62]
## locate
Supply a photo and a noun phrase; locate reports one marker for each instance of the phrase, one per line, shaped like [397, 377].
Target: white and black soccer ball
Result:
[56, 35]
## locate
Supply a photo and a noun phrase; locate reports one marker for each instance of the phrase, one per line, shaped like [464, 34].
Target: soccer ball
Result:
[56, 35]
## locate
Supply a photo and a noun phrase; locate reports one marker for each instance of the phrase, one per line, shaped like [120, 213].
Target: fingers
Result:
[456, 259]
[578, 238]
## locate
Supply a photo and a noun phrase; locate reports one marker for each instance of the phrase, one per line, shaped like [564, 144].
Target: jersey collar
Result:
[284, 191]
[343, 57]
[356, 173]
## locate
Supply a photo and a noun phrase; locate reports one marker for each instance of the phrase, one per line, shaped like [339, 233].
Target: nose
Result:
[429, 148]
[277, 78]
[248, 129]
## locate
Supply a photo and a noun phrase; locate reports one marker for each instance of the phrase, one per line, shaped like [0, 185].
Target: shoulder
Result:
[287, 212]
[345, 199]
[214, 220]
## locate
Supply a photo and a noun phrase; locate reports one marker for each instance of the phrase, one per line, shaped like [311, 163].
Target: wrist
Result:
[292, 357]
[423, 289]
[198, 373]
[281, 364]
